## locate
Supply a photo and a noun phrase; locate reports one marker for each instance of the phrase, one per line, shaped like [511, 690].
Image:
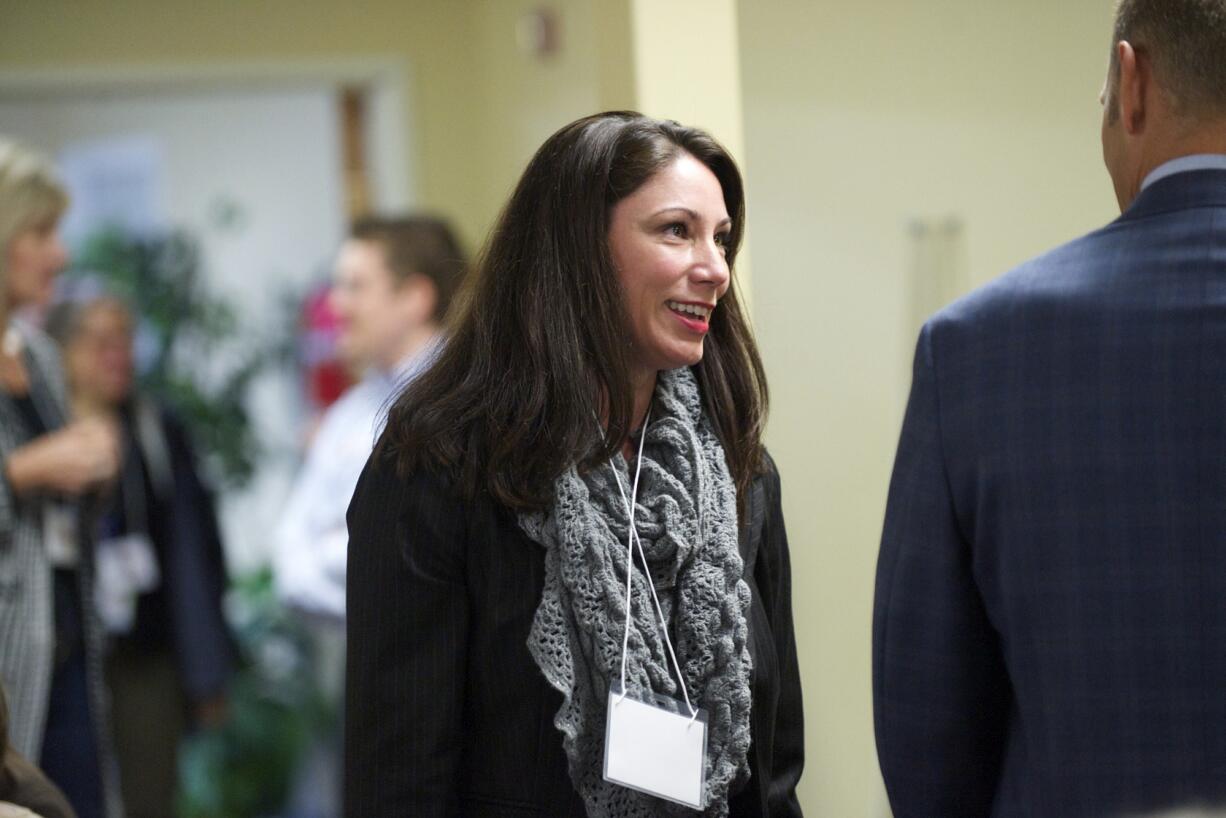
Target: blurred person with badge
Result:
[50, 469]
[160, 567]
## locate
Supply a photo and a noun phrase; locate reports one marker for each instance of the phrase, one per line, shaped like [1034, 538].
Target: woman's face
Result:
[668, 242]
[35, 256]
[98, 359]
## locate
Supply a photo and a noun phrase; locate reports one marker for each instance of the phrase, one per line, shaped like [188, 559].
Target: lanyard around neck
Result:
[632, 538]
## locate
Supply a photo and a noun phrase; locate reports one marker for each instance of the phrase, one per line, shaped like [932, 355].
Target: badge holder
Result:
[659, 746]
[60, 535]
[656, 748]
[124, 568]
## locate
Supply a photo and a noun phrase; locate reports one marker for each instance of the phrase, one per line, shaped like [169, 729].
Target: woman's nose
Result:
[710, 265]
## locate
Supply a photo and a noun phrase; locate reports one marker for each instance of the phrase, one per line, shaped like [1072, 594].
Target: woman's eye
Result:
[676, 229]
[721, 239]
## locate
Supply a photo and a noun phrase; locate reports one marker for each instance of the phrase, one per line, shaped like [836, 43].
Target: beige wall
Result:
[860, 117]
[478, 105]
[686, 53]
[520, 100]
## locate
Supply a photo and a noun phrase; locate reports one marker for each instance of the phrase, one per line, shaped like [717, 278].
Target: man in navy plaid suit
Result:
[1049, 632]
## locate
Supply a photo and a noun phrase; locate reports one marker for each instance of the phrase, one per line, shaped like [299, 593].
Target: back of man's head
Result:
[417, 245]
[1185, 41]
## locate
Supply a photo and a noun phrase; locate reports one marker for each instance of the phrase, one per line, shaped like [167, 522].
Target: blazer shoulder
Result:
[419, 514]
[766, 506]
[768, 475]
[1030, 279]
[1063, 275]
[384, 484]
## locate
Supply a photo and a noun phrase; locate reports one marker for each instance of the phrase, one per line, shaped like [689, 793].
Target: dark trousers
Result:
[148, 718]
[70, 742]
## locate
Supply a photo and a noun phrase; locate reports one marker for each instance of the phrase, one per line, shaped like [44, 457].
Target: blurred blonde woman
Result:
[50, 640]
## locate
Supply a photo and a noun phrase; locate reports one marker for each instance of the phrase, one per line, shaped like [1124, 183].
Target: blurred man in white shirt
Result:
[393, 283]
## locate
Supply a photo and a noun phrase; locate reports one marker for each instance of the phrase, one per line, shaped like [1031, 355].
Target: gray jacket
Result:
[27, 627]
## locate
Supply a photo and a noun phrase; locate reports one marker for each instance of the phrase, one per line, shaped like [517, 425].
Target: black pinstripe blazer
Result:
[1050, 623]
[446, 713]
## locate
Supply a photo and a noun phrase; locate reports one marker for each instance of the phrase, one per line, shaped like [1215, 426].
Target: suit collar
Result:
[1180, 191]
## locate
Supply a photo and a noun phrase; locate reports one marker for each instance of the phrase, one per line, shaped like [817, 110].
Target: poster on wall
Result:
[117, 183]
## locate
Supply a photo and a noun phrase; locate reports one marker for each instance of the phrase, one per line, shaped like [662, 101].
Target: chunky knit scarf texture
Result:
[686, 518]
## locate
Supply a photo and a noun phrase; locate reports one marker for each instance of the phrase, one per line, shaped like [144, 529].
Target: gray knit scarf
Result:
[686, 517]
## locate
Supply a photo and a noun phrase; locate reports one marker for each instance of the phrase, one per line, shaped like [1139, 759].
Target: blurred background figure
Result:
[51, 653]
[393, 283]
[24, 791]
[160, 566]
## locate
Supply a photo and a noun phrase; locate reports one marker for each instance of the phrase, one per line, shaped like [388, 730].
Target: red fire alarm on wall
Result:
[538, 32]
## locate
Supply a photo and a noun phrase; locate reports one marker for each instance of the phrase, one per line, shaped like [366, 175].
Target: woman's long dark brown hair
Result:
[538, 341]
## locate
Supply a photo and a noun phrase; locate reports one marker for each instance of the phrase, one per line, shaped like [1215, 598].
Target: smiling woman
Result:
[668, 240]
[495, 606]
[538, 350]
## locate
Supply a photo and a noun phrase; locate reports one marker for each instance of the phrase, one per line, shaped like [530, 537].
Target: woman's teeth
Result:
[696, 310]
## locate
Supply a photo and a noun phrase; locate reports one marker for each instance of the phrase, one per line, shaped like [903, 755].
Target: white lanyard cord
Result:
[667, 642]
[631, 539]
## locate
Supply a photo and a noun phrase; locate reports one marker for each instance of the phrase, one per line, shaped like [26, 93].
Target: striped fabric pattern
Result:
[27, 632]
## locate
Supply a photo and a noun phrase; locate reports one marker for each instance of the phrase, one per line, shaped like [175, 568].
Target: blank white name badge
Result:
[656, 748]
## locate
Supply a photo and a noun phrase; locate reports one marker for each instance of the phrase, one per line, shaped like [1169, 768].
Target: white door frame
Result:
[386, 79]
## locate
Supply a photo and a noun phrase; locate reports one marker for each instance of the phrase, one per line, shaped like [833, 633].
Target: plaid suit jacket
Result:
[1049, 631]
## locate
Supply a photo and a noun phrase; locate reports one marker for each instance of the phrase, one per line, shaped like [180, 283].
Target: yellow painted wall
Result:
[860, 117]
[523, 99]
[688, 65]
[478, 105]
[687, 68]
